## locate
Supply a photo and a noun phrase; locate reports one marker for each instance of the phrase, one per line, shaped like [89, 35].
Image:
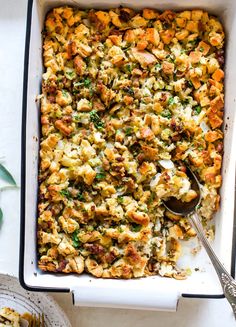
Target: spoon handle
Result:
[227, 282]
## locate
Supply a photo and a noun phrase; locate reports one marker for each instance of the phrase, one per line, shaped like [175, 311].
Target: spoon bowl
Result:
[188, 209]
[180, 208]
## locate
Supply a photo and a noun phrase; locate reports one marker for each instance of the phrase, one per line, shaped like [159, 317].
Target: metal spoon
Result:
[180, 208]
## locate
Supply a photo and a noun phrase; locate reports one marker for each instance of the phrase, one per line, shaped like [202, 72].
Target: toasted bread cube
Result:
[186, 14]
[167, 36]
[203, 47]
[152, 36]
[181, 21]
[197, 15]
[196, 82]
[195, 56]
[149, 14]
[192, 26]
[218, 75]
[103, 17]
[181, 35]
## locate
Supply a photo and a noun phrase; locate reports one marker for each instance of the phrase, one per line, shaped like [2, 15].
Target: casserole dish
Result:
[157, 292]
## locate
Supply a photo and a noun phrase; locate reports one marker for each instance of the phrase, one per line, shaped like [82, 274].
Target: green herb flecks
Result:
[171, 100]
[198, 109]
[65, 93]
[190, 84]
[128, 68]
[66, 194]
[120, 199]
[101, 174]
[80, 197]
[85, 82]
[75, 239]
[136, 227]
[96, 120]
[152, 197]
[129, 90]
[158, 66]
[166, 113]
[128, 131]
[70, 75]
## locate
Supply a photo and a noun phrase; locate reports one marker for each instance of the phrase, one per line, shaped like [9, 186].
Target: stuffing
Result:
[129, 99]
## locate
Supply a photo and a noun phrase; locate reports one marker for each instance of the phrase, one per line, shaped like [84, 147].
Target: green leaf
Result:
[1, 216]
[6, 176]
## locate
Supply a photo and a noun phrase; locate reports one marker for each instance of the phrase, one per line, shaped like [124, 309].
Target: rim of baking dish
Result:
[23, 167]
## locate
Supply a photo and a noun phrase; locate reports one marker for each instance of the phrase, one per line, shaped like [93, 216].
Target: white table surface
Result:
[191, 312]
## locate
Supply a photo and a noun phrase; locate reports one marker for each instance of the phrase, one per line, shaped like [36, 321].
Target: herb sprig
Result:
[6, 176]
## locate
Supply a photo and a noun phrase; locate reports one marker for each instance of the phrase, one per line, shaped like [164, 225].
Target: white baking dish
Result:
[147, 293]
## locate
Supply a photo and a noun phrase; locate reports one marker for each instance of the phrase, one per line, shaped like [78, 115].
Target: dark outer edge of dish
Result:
[233, 255]
[23, 160]
[22, 208]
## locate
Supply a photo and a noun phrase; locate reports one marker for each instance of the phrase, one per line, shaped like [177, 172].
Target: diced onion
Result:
[60, 145]
[167, 164]
[204, 127]
[155, 180]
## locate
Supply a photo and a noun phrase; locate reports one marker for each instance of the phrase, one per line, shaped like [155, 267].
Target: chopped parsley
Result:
[128, 68]
[85, 82]
[152, 197]
[128, 131]
[75, 239]
[120, 199]
[166, 113]
[64, 93]
[201, 49]
[80, 197]
[190, 83]
[66, 193]
[70, 75]
[158, 66]
[101, 174]
[96, 120]
[129, 90]
[171, 100]
[77, 118]
[198, 109]
[136, 227]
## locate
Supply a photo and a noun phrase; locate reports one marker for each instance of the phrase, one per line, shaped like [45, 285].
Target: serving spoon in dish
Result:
[188, 209]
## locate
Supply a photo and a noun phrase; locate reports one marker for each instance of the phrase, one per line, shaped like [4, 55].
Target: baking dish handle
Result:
[141, 299]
